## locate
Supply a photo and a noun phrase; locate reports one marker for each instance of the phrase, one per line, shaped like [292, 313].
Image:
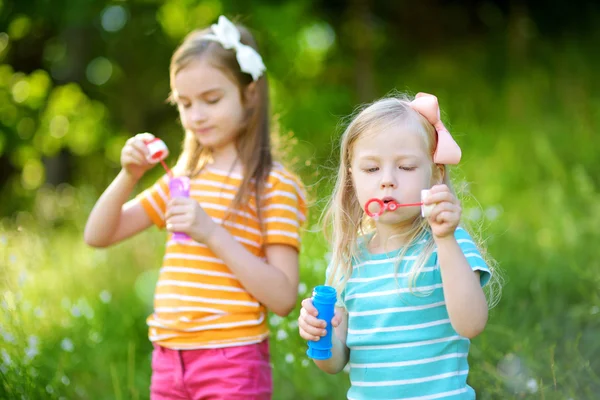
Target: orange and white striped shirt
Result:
[198, 302]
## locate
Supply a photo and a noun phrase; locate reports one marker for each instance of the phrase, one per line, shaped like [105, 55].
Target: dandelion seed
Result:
[8, 337]
[49, 389]
[105, 296]
[282, 335]
[509, 366]
[32, 340]
[38, 312]
[32, 349]
[302, 288]
[3, 240]
[532, 385]
[304, 363]
[293, 324]
[12, 258]
[275, 320]
[85, 308]
[6, 360]
[67, 345]
[75, 312]
[30, 353]
[66, 381]
[289, 358]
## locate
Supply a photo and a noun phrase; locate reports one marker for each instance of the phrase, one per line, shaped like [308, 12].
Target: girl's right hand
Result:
[133, 155]
[310, 327]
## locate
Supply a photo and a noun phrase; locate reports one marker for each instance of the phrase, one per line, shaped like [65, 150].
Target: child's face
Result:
[209, 104]
[388, 164]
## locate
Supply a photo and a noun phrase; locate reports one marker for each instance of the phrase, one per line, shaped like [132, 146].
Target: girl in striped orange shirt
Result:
[243, 218]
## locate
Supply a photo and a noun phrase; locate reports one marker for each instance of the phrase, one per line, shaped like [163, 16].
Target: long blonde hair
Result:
[253, 143]
[345, 222]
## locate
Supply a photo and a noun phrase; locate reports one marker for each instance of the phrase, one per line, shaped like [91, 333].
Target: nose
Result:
[388, 181]
[198, 113]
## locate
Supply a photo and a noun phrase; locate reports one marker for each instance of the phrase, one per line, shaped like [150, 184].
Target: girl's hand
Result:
[310, 327]
[445, 216]
[133, 155]
[185, 215]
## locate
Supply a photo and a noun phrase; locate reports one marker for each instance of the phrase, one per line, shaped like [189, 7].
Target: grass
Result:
[73, 318]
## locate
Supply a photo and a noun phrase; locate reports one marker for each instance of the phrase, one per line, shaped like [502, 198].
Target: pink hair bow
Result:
[446, 150]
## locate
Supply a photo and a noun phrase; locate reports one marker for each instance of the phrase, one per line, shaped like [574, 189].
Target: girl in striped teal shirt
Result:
[410, 287]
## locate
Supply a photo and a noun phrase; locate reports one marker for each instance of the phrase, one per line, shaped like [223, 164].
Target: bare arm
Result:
[111, 220]
[312, 328]
[465, 300]
[274, 283]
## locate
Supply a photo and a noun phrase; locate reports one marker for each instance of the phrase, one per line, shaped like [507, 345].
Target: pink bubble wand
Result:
[179, 186]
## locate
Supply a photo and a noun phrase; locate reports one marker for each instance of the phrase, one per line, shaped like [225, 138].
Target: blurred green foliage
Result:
[517, 84]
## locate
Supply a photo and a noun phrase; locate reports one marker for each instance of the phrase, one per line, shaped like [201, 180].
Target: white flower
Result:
[105, 296]
[6, 360]
[302, 288]
[532, 385]
[289, 358]
[282, 335]
[67, 345]
[226, 33]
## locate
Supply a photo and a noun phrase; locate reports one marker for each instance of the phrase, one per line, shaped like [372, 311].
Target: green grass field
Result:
[72, 318]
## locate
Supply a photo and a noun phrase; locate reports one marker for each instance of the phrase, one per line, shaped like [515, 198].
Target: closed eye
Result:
[213, 100]
[407, 168]
[371, 170]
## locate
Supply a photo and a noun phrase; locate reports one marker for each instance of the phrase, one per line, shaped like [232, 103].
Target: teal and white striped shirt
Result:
[402, 345]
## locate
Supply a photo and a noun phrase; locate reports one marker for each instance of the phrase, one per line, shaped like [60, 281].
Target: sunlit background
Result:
[518, 85]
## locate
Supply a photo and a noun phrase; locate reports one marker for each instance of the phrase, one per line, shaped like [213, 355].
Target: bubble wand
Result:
[375, 208]
[178, 186]
[158, 151]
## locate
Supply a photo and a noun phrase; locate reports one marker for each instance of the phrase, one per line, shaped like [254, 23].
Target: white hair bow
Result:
[227, 34]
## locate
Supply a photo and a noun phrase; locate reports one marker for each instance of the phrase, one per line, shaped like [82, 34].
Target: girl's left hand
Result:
[185, 215]
[445, 216]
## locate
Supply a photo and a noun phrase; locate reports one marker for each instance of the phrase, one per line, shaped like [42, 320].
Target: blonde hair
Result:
[345, 222]
[253, 142]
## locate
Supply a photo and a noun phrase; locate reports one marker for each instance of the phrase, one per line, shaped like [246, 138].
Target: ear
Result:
[250, 93]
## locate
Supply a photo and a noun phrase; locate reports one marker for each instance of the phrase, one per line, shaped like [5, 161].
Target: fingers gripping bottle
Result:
[324, 299]
[180, 187]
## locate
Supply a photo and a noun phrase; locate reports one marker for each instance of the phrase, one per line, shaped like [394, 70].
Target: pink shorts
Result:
[232, 373]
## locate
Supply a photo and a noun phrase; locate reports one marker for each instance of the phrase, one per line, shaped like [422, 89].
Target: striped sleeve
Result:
[154, 201]
[284, 209]
[471, 252]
